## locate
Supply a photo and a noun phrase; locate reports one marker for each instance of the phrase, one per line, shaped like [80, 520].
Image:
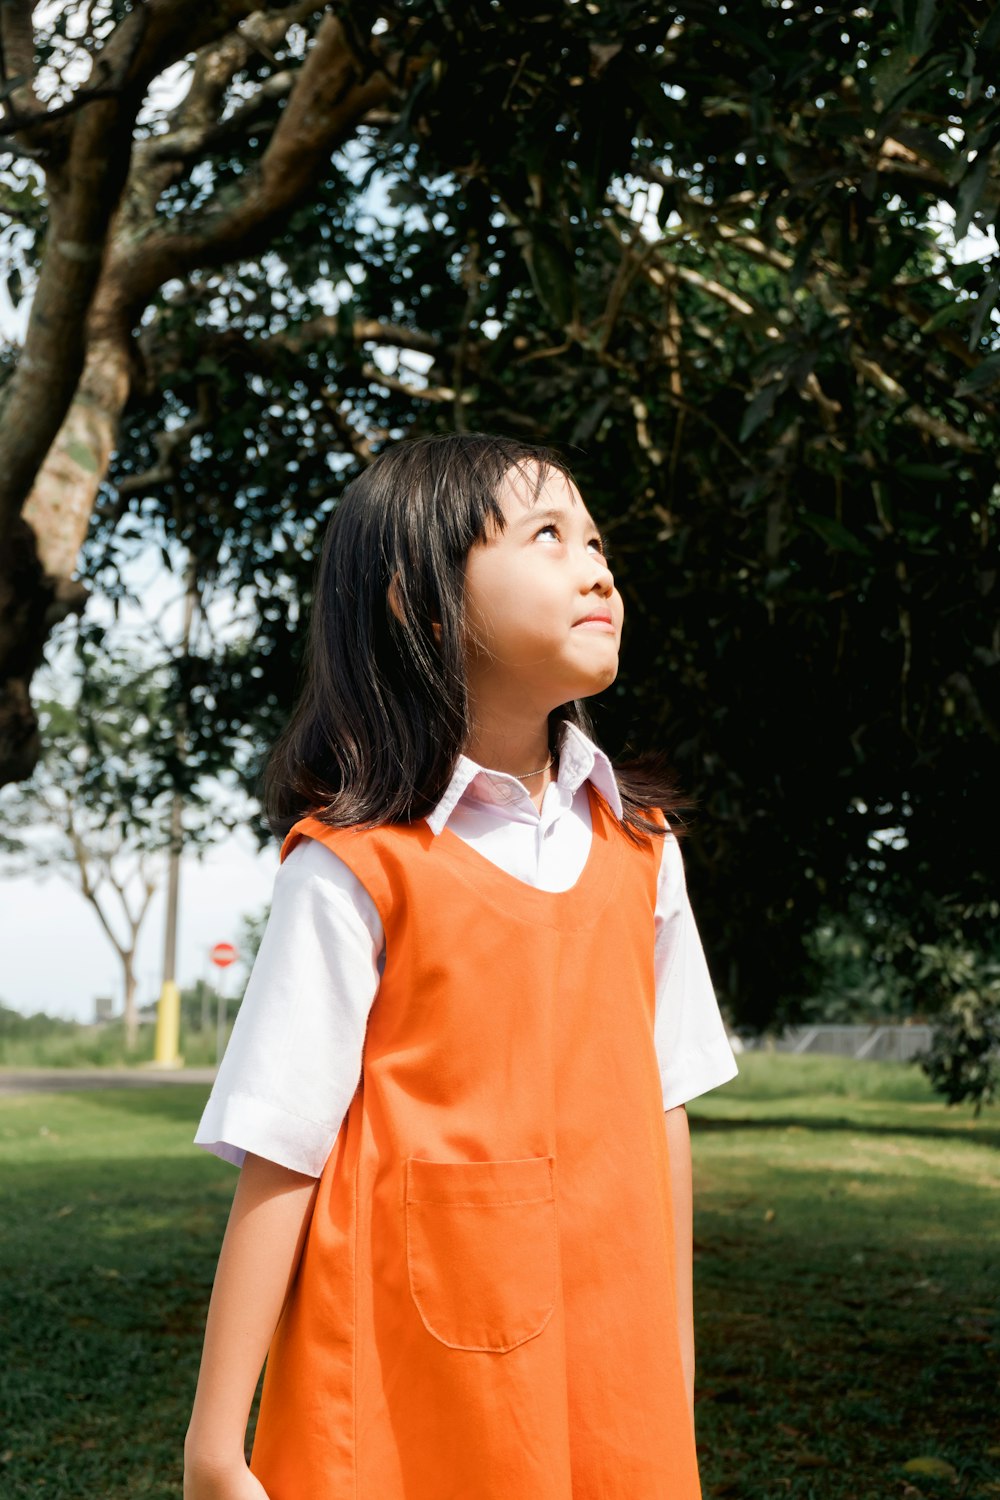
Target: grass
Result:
[848, 1265]
[847, 1250]
[69, 1044]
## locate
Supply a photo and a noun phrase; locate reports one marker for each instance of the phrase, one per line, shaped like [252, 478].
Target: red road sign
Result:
[223, 954]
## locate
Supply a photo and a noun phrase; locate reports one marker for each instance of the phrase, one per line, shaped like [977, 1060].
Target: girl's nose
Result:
[603, 581]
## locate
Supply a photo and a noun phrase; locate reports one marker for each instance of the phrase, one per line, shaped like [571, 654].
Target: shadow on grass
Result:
[837, 1338]
[980, 1136]
[103, 1313]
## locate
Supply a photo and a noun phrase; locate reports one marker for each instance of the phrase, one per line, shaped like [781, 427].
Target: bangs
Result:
[469, 511]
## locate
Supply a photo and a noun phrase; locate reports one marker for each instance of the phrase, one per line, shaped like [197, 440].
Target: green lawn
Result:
[848, 1268]
[848, 1264]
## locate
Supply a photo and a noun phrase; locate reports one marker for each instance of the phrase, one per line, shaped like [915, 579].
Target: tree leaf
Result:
[834, 533]
[970, 195]
[930, 1468]
[760, 409]
[985, 303]
[989, 37]
[552, 274]
[983, 378]
[928, 13]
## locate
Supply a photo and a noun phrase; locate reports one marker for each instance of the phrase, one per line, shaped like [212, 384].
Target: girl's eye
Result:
[595, 541]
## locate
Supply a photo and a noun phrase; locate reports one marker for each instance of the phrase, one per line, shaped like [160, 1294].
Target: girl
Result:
[456, 1087]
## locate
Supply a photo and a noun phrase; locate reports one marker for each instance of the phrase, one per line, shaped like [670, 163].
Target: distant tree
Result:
[252, 925]
[964, 1061]
[95, 810]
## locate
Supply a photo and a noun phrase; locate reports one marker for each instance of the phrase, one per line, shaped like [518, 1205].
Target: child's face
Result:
[528, 591]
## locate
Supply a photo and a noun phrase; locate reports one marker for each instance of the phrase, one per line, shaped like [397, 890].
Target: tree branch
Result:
[416, 393]
[331, 94]
[171, 445]
[924, 421]
[193, 126]
[360, 445]
[17, 58]
[665, 274]
[87, 889]
[84, 190]
[869, 369]
[188, 143]
[257, 353]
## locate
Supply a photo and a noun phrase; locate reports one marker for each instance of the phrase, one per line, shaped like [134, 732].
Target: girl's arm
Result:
[679, 1147]
[260, 1253]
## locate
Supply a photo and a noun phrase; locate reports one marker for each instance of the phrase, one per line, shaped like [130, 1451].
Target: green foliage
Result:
[21, 1035]
[14, 1026]
[936, 961]
[111, 763]
[701, 249]
[849, 986]
[43, 1041]
[252, 925]
[964, 1062]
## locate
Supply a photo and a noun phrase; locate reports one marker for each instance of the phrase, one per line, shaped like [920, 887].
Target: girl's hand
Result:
[214, 1481]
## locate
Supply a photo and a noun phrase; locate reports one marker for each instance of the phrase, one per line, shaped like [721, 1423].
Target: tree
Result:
[702, 249]
[95, 810]
[964, 1061]
[106, 249]
[584, 99]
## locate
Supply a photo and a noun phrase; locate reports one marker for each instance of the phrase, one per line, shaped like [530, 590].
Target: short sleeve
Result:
[294, 1059]
[692, 1048]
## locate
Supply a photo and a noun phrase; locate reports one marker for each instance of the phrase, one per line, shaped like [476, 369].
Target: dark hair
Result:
[383, 713]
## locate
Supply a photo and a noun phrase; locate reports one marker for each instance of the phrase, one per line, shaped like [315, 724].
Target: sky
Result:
[56, 957]
[54, 954]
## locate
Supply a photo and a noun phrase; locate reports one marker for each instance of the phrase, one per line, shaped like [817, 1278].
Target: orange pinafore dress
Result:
[485, 1308]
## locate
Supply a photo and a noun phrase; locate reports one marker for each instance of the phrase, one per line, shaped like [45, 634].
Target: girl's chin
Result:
[595, 682]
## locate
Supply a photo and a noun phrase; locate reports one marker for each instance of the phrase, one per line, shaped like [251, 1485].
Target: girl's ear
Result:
[395, 604]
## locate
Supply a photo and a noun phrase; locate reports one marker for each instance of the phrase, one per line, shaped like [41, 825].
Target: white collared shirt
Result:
[294, 1059]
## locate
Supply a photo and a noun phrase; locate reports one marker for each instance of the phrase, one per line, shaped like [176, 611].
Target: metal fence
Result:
[882, 1043]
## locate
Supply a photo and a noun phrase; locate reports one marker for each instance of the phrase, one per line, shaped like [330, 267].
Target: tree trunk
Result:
[131, 1010]
[28, 608]
[37, 589]
[63, 496]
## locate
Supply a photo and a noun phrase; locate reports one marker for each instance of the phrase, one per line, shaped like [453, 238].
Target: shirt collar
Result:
[579, 760]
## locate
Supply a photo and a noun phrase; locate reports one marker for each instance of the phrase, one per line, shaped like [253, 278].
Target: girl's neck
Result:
[514, 750]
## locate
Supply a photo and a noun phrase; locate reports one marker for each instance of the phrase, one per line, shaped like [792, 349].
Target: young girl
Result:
[462, 1229]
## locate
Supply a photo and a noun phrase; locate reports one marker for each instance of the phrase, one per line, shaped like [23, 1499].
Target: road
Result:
[69, 1080]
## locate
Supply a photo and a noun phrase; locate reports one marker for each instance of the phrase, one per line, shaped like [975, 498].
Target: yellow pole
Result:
[168, 1012]
[168, 1025]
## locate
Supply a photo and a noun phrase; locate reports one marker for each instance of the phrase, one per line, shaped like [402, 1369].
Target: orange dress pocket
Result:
[482, 1249]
